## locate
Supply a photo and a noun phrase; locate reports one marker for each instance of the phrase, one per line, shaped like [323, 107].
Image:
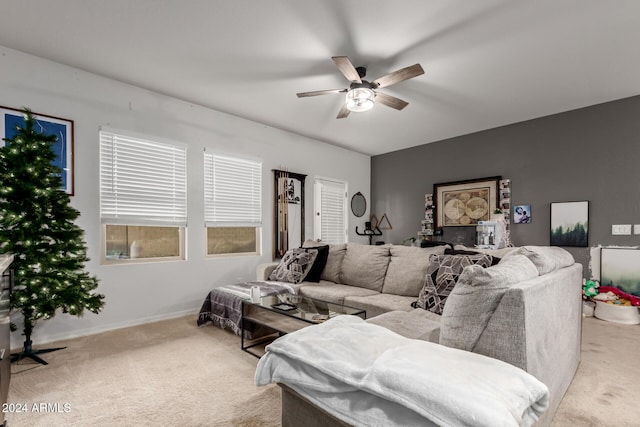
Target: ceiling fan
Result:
[362, 95]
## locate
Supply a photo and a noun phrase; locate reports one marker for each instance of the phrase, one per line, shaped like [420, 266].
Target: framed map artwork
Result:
[464, 203]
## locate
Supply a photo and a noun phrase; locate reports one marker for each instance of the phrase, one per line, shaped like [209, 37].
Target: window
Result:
[233, 205]
[330, 220]
[143, 198]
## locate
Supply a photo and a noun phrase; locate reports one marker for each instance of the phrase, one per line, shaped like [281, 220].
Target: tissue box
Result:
[628, 315]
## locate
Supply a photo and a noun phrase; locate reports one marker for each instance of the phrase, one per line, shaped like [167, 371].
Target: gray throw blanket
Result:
[223, 306]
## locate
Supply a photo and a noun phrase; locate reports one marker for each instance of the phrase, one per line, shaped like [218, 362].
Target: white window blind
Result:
[142, 181]
[330, 224]
[232, 191]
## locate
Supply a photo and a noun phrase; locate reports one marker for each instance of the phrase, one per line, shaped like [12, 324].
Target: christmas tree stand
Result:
[29, 352]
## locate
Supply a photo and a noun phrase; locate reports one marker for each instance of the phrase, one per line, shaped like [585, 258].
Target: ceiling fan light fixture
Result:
[360, 99]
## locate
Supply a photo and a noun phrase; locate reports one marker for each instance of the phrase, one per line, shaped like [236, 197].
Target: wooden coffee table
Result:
[286, 313]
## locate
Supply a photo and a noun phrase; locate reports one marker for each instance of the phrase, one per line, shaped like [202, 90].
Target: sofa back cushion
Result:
[546, 258]
[476, 296]
[407, 269]
[333, 266]
[364, 266]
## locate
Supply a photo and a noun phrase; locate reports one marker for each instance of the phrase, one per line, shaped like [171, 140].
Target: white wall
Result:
[145, 292]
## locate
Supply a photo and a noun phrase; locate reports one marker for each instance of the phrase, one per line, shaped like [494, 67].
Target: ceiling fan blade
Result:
[346, 67]
[397, 76]
[320, 92]
[344, 112]
[390, 101]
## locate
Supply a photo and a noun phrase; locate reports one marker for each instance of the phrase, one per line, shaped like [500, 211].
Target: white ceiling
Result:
[487, 62]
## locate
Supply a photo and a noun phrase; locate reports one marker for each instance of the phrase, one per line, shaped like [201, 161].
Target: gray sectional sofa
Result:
[377, 279]
[525, 310]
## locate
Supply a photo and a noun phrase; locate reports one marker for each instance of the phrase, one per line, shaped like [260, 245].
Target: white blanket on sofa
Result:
[362, 373]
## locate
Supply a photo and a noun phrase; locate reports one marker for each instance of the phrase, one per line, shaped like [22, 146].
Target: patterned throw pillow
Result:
[294, 266]
[442, 276]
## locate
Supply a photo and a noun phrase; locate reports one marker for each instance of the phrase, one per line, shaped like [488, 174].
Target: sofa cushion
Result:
[442, 276]
[331, 271]
[407, 268]
[365, 266]
[414, 324]
[294, 266]
[476, 296]
[546, 258]
[378, 303]
[332, 292]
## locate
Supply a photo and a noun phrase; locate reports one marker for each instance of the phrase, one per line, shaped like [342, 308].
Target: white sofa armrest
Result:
[263, 271]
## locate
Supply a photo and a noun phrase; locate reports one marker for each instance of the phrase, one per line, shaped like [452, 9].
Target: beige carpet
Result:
[606, 387]
[173, 373]
[169, 373]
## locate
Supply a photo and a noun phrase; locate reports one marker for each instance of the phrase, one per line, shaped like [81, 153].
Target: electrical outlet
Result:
[621, 230]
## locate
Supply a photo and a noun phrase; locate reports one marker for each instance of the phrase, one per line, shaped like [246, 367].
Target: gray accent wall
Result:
[592, 154]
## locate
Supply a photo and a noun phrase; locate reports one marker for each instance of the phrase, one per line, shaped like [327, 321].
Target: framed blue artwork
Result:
[48, 125]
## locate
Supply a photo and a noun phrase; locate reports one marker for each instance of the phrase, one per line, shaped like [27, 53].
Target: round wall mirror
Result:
[358, 204]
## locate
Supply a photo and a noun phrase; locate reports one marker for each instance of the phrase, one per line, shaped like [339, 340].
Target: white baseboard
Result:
[45, 338]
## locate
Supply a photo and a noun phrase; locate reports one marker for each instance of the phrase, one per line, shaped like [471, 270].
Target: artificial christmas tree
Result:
[37, 227]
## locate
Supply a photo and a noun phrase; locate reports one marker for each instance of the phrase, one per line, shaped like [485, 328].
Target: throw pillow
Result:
[494, 260]
[331, 271]
[431, 243]
[318, 265]
[294, 266]
[442, 276]
[502, 252]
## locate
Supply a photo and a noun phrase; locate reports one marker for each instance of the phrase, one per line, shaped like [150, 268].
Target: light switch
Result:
[621, 230]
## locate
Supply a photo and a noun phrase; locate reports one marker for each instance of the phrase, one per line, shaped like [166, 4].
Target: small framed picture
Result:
[570, 224]
[48, 125]
[522, 214]
[620, 268]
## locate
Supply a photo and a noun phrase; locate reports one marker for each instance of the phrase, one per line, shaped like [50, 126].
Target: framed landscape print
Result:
[620, 268]
[570, 224]
[48, 125]
[464, 203]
